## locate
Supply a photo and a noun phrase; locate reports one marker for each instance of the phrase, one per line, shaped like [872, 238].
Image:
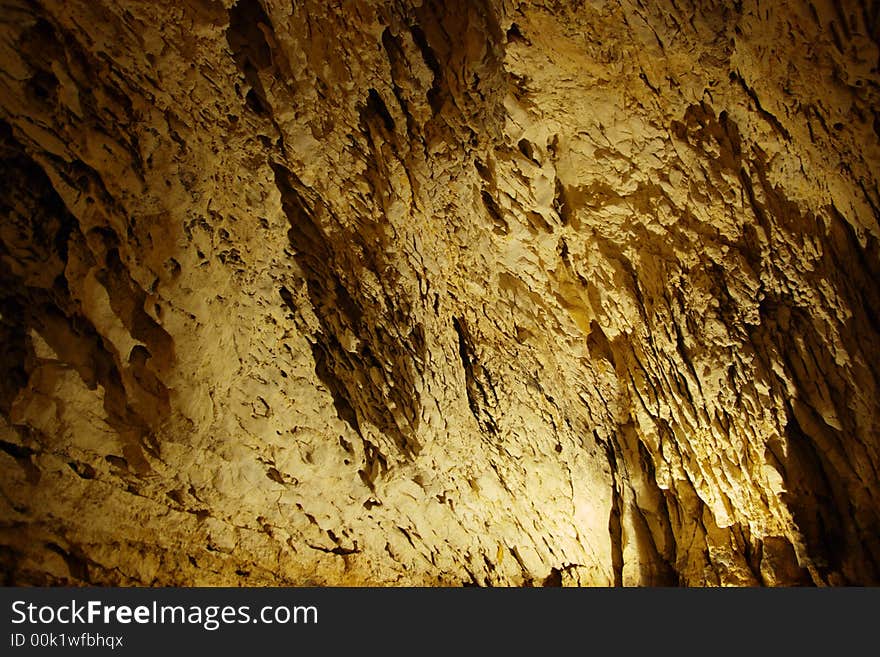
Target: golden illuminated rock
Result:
[441, 292]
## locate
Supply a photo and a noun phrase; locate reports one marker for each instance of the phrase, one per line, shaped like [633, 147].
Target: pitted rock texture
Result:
[439, 293]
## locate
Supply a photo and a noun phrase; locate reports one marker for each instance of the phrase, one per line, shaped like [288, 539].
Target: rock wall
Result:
[439, 293]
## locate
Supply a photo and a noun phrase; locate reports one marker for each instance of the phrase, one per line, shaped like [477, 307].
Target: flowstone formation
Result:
[439, 293]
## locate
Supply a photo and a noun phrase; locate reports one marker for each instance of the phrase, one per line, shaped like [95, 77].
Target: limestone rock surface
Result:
[439, 292]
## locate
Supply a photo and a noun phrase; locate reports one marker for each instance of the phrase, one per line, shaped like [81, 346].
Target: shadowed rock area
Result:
[439, 293]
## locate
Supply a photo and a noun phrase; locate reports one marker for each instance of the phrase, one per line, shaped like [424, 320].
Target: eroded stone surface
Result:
[439, 293]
